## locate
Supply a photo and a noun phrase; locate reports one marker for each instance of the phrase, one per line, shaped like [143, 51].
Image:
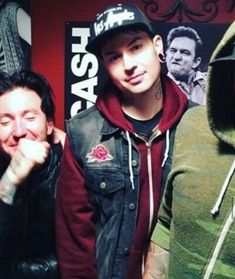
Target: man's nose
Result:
[177, 55]
[19, 128]
[128, 62]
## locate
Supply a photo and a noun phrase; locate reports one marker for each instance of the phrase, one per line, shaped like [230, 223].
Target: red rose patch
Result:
[99, 154]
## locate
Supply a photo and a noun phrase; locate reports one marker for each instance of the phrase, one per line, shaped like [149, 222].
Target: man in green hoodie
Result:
[196, 221]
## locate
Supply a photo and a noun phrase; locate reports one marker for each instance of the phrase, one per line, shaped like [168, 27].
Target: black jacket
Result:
[27, 237]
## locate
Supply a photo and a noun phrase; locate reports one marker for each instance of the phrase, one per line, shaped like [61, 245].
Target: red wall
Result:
[48, 18]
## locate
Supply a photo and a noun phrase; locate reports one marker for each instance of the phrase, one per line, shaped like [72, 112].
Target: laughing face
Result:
[21, 117]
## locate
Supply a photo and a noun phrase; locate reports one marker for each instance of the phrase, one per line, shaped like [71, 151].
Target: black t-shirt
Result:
[145, 127]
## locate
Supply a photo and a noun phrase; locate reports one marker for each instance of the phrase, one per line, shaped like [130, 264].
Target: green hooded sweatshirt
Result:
[197, 217]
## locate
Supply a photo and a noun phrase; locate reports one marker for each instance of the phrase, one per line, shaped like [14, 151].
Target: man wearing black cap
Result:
[117, 153]
[196, 219]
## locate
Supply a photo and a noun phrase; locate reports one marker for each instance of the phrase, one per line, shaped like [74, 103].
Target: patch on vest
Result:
[99, 154]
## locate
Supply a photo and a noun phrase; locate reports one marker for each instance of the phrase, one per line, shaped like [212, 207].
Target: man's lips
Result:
[176, 63]
[135, 79]
[14, 145]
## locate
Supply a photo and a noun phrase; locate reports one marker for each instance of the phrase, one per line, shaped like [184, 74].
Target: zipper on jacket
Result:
[148, 143]
[150, 176]
[220, 242]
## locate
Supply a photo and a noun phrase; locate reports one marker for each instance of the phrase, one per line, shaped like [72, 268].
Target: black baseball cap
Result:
[115, 18]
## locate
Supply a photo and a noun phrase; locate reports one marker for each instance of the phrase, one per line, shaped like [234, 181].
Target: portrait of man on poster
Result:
[183, 59]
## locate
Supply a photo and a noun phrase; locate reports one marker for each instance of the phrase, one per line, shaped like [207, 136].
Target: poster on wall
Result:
[209, 34]
[84, 77]
[188, 49]
[15, 35]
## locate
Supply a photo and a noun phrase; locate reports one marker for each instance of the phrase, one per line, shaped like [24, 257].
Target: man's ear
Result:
[196, 62]
[59, 136]
[158, 44]
[50, 127]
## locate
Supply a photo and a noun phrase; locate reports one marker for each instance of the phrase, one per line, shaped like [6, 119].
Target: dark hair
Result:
[188, 32]
[126, 29]
[33, 81]
[2, 3]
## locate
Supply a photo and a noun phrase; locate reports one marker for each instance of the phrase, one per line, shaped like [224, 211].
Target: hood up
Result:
[221, 88]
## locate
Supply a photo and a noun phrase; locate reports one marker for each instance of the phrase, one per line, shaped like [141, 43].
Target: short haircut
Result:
[127, 29]
[32, 81]
[188, 32]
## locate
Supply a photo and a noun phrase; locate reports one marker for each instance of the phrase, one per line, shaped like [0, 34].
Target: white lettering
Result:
[85, 89]
[117, 18]
[98, 27]
[111, 19]
[88, 59]
[77, 106]
[84, 66]
[83, 34]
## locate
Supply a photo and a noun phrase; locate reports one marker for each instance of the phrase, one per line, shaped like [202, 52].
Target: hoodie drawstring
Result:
[216, 207]
[166, 153]
[130, 160]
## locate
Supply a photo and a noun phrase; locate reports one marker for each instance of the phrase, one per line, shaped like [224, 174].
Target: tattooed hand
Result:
[156, 263]
[29, 155]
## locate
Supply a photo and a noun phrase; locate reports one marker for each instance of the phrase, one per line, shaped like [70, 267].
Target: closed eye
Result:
[186, 52]
[172, 50]
[4, 121]
[30, 116]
